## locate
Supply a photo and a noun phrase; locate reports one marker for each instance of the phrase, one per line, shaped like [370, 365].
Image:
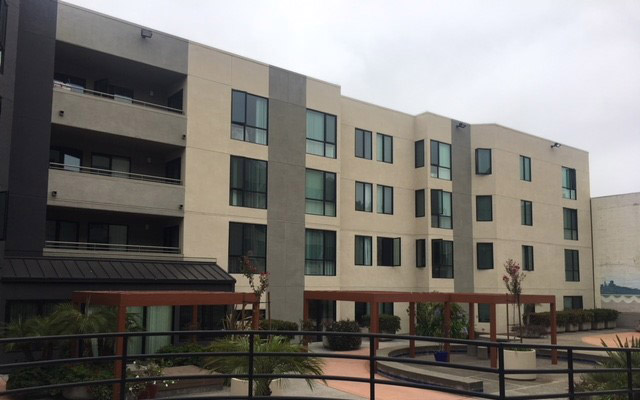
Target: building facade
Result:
[164, 149]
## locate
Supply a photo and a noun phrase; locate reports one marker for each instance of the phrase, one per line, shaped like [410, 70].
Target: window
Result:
[364, 250]
[364, 197]
[363, 144]
[421, 253]
[385, 199]
[483, 161]
[385, 148]
[572, 302]
[111, 165]
[108, 233]
[570, 217]
[321, 134]
[420, 203]
[118, 93]
[64, 158]
[388, 252]
[442, 259]
[249, 117]
[364, 310]
[485, 255]
[525, 168]
[25, 309]
[248, 183]
[526, 213]
[419, 154]
[527, 258]
[484, 313]
[571, 266]
[247, 244]
[3, 32]
[441, 209]
[4, 205]
[484, 208]
[568, 183]
[320, 192]
[320, 252]
[440, 160]
[62, 231]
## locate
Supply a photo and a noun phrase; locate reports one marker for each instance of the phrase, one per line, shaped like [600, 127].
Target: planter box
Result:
[585, 326]
[520, 360]
[240, 387]
[610, 324]
[560, 329]
[77, 393]
[572, 327]
[597, 325]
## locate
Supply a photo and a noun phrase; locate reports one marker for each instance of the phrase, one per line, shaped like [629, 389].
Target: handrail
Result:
[57, 244]
[118, 174]
[123, 99]
[121, 379]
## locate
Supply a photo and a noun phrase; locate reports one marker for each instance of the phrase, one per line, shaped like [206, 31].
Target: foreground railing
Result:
[137, 248]
[121, 360]
[117, 174]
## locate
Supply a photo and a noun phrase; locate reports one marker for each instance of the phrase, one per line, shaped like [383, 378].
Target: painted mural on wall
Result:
[620, 288]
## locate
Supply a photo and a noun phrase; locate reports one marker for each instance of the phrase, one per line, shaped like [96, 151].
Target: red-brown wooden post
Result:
[447, 324]
[375, 321]
[122, 327]
[194, 322]
[493, 335]
[412, 329]
[554, 333]
[472, 321]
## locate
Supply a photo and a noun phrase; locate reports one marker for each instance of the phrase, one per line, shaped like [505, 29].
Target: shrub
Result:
[562, 318]
[586, 316]
[611, 315]
[389, 323]
[340, 343]
[308, 325]
[599, 315]
[365, 321]
[540, 319]
[183, 348]
[572, 316]
[278, 325]
[430, 320]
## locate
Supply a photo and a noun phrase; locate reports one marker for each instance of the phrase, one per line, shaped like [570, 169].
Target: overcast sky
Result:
[568, 71]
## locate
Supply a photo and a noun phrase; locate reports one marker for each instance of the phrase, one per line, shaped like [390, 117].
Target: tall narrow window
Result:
[571, 266]
[384, 145]
[3, 214]
[527, 258]
[321, 134]
[3, 32]
[249, 117]
[484, 255]
[568, 183]
[65, 158]
[320, 252]
[364, 250]
[108, 233]
[385, 199]
[526, 212]
[388, 252]
[572, 302]
[525, 168]
[62, 231]
[363, 144]
[111, 165]
[247, 244]
[570, 217]
[248, 183]
[441, 206]
[440, 160]
[420, 203]
[483, 161]
[419, 154]
[442, 259]
[320, 192]
[421, 253]
[484, 313]
[484, 208]
[364, 196]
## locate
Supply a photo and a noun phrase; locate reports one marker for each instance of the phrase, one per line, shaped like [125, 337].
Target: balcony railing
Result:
[118, 174]
[128, 248]
[122, 99]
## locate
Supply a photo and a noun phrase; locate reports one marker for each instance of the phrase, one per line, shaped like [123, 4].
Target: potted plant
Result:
[430, 322]
[280, 364]
[561, 321]
[611, 318]
[572, 321]
[586, 316]
[342, 343]
[599, 317]
[517, 358]
[146, 389]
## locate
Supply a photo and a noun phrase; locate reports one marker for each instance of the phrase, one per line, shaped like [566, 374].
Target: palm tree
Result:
[263, 365]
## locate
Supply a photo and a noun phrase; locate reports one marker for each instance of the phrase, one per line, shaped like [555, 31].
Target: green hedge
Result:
[388, 323]
[183, 348]
[574, 317]
[341, 343]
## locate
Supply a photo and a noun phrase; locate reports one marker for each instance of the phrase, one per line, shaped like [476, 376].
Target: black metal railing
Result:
[121, 361]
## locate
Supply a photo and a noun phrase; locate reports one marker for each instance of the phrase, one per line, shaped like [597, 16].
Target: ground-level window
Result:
[484, 313]
[572, 302]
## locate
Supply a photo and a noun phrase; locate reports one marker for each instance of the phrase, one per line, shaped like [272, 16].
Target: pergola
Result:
[124, 299]
[374, 298]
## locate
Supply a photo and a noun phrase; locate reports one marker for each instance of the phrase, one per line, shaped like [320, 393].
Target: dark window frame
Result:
[479, 199]
[363, 263]
[525, 168]
[480, 151]
[57, 234]
[436, 168]
[484, 312]
[420, 203]
[571, 265]
[236, 259]
[570, 223]
[484, 246]
[576, 302]
[384, 243]
[437, 209]
[382, 205]
[367, 155]
[244, 123]
[418, 151]
[421, 253]
[324, 260]
[526, 213]
[111, 171]
[241, 190]
[439, 268]
[384, 137]
[528, 260]
[325, 141]
[569, 192]
[109, 225]
[324, 199]
[364, 185]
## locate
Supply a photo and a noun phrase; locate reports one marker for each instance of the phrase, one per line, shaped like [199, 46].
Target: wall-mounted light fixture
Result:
[61, 113]
[54, 193]
[461, 125]
[181, 206]
[146, 33]
[184, 137]
[555, 145]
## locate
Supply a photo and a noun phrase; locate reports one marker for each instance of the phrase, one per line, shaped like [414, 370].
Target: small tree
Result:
[249, 271]
[513, 281]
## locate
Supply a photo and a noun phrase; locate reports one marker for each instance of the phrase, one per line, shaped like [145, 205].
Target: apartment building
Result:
[166, 151]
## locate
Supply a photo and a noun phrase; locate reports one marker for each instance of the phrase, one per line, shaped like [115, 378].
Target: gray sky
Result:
[564, 70]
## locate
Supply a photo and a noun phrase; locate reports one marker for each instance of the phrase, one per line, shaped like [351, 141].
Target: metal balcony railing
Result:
[128, 248]
[117, 174]
[114, 97]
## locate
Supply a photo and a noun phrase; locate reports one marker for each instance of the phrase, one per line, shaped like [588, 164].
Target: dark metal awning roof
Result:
[48, 269]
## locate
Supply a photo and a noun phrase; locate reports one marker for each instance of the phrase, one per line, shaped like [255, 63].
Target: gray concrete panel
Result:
[462, 210]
